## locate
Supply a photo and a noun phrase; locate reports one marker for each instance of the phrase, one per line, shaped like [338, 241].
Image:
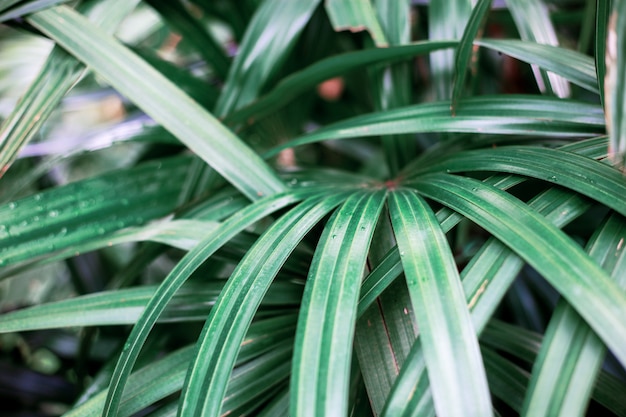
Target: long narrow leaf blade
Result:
[615, 83]
[60, 72]
[512, 115]
[455, 369]
[301, 81]
[446, 20]
[326, 324]
[533, 22]
[175, 280]
[161, 99]
[465, 51]
[579, 173]
[578, 278]
[270, 36]
[603, 11]
[571, 65]
[571, 354]
[230, 318]
[76, 214]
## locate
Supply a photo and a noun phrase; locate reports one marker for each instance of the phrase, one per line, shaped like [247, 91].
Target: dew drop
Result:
[63, 231]
[553, 178]
[362, 228]
[12, 205]
[37, 197]
[475, 189]
[4, 232]
[333, 236]
[53, 213]
[2, 262]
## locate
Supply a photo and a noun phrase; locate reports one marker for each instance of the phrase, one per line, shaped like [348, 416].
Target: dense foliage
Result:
[374, 207]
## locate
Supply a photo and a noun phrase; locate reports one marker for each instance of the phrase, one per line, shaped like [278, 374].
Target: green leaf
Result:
[532, 20]
[615, 83]
[160, 99]
[82, 213]
[485, 281]
[270, 36]
[446, 20]
[571, 65]
[603, 10]
[165, 376]
[447, 335]
[192, 302]
[147, 385]
[507, 380]
[390, 83]
[493, 269]
[230, 317]
[379, 279]
[251, 380]
[177, 278]
[571, 354]
[291, 86]
[525, 345]
[578, 278]
[356, 16]
[465, 53]
[321, 368]
[579, 173]
[58, 75]
[511, 115]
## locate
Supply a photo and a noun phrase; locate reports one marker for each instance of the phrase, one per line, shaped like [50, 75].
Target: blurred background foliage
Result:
[106, 188]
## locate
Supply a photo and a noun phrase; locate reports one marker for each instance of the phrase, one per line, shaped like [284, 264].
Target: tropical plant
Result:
[242, 208]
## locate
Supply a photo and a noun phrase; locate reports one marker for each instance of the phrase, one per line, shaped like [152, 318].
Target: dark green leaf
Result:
[230, 317]
[326, 324]
[449, 341]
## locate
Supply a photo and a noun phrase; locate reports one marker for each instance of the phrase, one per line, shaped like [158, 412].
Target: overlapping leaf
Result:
[160, 99]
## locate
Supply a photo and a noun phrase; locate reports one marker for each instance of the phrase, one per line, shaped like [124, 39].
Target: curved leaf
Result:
[571, 354]
[124, 306]
[321, 368]
[161, 99]
[291, 86]
[270, 36]
[177, 278]
[587, 176]
[578, 278]
[230, 317]
[58, 75]
[465, 52]
[519, 115]
[455, 370]
[77, 214]
[574, 66]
